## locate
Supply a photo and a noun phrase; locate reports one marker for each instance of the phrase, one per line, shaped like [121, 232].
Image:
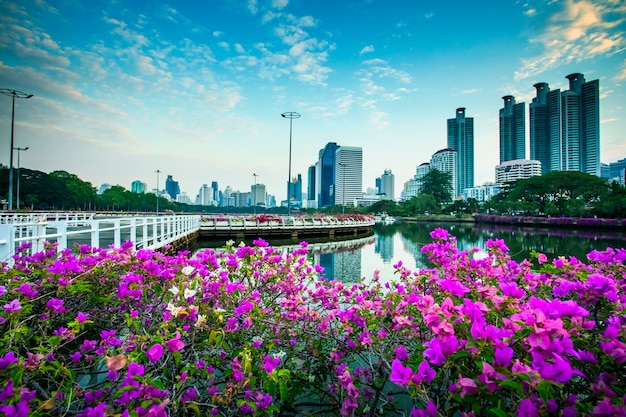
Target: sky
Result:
[195, 89]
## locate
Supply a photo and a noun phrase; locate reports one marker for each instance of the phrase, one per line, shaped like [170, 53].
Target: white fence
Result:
[67, 229]
[279, 222]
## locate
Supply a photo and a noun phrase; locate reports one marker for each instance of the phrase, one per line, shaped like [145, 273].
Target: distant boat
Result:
[384, 218]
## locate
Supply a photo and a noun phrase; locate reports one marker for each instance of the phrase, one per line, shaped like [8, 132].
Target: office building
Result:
[413, 186]
[348, 182]
[258, 195]
[205, 196]
[310, 189]
[171, 187]
[295, 191]
[325, 175]
[511, 171]
[461, 139]
[512, 130]
[385, 185]
[482, 193]
[565, 126]
[138, 187]
[446, 160]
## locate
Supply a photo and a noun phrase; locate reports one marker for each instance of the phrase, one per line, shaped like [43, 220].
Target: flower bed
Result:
[251, 332]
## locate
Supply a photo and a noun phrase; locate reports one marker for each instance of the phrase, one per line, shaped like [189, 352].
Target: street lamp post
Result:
[158, 171]
[19, 150]
[15, 94]
[289, 115]
[254, 193]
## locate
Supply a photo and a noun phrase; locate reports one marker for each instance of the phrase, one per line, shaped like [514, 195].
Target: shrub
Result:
[249, 331]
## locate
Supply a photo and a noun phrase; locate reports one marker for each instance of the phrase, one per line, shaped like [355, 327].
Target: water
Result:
[348, 261]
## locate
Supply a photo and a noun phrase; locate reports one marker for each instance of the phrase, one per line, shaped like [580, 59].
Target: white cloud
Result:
[579, 31]
[366, 49]
[280, 4]
[429, 15]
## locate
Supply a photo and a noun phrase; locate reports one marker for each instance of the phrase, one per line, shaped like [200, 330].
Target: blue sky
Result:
[196, 88]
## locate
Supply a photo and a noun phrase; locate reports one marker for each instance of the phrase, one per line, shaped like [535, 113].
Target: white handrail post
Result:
[117, 233]
[133, 231]
[7, 244]
[94, 228]
[61, 229]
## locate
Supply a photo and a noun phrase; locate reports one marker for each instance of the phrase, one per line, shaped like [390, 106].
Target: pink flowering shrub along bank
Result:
[254, 332]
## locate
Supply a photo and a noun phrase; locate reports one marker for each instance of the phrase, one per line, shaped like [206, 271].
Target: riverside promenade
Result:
[32, 231]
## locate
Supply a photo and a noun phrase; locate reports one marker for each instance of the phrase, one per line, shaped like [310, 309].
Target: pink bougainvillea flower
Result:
[13, 306]
[175, 343]
[270, 363]
[467, 386]
[82, 317]
[155, 352]
[401, 353]
[400, 374]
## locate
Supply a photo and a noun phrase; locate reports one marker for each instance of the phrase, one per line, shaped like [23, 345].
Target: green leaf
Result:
[124, 389]
[497, 412]
[282, 386]
[512, 385]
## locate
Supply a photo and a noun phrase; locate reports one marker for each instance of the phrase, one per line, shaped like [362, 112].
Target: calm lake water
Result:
[348, 261]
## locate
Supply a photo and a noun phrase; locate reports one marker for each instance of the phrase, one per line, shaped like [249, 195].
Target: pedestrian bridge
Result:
[31, 231]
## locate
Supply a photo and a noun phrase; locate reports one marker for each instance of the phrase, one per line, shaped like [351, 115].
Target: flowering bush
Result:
[251, 332]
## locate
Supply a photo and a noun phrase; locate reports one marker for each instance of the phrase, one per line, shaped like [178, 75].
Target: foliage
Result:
[421, 204]
[560, 193]
[250, 331]
[438, 184]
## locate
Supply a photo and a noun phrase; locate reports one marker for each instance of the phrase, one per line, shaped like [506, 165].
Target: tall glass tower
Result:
[325, 178]
[461, 139]
[512, 130]
[565, 126]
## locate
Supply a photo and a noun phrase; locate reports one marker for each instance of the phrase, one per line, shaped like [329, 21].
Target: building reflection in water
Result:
[384, 247]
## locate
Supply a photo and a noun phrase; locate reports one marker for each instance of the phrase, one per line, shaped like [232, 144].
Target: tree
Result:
[438, 184]
[387, 206]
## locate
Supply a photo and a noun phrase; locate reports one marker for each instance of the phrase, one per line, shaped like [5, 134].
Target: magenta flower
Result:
[13, 306]
[8, 359]
[175, 343]
[81, 317]
[401, 353]
[526, 408]
[468, 386]
[270, 363]
[56, 305]
[400, 374]
[155, 352]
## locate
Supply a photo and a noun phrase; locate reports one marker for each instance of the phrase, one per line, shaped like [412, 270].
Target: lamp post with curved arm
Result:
[15, 94]
[290, 115]
[254, 194]
[19, 150]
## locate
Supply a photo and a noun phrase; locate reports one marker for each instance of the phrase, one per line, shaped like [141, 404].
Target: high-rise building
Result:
[512, 130]
[325, 175]
[295, 191]
[258, 195]
[461, 139]
[310, 189]
[565, 126]
[446, 160]
[348, 182]
[171, 187]
[385, 185]
[205, 196]
[413, 186]
[138, 187]
[510, 171]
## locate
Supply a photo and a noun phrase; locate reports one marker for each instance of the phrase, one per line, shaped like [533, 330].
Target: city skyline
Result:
[122, 89]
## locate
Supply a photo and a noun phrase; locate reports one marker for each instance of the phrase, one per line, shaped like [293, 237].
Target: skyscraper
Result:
[310, 189]
[446, 160]
[385, 185]
[565, 126]
[171, 187]
[461, 139]
[348, 175]
[325, 178]
[512, 130]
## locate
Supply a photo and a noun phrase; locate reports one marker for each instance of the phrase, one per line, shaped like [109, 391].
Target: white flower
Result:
[189, 293]
[174, 290]
[188, 270]
[279, 354]
[174, 309]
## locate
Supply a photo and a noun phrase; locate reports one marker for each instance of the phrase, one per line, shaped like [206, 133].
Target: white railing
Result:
[279, 222]
[150, 232]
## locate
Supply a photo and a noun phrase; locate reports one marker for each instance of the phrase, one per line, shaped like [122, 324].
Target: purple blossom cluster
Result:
[553, 221]
[253, 331]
